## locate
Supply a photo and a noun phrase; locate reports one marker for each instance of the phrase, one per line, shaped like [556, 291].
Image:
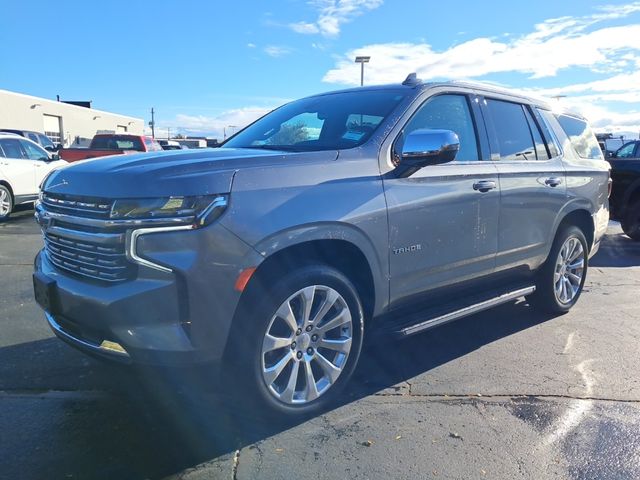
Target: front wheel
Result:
[561, 279]
[301, 341]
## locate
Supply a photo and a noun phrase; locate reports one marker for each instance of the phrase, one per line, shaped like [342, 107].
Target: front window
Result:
[45, 142]
[626, 151]
[326, 122]
[34, 152]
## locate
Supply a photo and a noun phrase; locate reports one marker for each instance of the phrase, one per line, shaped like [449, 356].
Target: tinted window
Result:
[44, 141]
[12, 148]
[626, 151]
[325, 122]
[538, 142]
[33, 137]
[582, 138]
[34, 152]
[513, 131]
[448, 112]
[541, 116]
[117, 142]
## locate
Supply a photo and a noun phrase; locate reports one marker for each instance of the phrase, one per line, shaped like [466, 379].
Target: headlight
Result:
[197, 210]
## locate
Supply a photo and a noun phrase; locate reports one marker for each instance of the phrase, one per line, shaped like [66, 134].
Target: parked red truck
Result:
[105, 144]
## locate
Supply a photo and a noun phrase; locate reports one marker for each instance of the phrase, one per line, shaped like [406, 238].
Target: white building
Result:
[63, 123]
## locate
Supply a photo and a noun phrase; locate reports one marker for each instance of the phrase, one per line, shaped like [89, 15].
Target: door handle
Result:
[484, 185]
[553, 181]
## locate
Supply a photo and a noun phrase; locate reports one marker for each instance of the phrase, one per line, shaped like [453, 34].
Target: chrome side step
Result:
[463, 312]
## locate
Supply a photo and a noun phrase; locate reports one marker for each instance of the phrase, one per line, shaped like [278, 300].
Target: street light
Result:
[362, 60]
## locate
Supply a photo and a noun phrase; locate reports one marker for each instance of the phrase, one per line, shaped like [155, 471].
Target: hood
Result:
[186, 172]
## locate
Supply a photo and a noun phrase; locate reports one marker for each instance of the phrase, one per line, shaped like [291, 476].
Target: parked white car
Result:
[23, 166]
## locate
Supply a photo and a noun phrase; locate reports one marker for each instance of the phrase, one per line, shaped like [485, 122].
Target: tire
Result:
[6, 203]
[254, 368]
[631, 221]
[562, 268]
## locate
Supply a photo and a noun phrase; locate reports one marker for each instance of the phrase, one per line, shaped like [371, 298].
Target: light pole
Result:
[362, 60]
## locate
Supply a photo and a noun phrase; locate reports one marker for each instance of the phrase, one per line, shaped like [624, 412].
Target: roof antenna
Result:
[412, 79]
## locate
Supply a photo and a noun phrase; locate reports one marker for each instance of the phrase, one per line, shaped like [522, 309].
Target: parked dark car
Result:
[40, 138]
[625, 194]
[383, 210]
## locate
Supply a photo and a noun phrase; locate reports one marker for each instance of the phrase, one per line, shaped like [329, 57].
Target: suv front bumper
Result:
[160, 318]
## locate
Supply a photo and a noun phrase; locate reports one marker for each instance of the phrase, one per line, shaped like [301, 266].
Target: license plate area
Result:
[45, 291]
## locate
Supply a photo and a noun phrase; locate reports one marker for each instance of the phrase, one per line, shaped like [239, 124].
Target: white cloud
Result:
[551, 48]
[277, 50]
[251, 45]
[304, 27]
[332, 14]
[554, 45]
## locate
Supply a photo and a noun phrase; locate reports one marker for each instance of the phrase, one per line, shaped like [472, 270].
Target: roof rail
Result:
[412, 79]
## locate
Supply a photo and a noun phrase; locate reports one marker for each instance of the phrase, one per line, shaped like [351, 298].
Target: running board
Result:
[469, 310]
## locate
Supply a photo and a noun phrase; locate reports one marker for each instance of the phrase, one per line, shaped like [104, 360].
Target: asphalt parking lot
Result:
[504, 394]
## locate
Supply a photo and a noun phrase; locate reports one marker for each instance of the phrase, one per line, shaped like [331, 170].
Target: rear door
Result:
[442, 226]
[532, 181]
[16, 166]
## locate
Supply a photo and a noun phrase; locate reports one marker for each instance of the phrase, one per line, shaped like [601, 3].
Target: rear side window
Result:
[514, 132]
[582, 138]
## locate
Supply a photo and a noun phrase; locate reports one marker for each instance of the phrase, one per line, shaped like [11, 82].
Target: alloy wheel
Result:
[306, 345]
[569, 270]
[5, 203]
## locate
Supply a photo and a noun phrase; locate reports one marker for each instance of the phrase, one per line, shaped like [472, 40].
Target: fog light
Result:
[112, 346]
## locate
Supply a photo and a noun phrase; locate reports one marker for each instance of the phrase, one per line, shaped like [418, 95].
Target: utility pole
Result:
[152, 123]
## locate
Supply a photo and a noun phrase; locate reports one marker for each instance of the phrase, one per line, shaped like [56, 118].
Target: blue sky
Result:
[205, 65]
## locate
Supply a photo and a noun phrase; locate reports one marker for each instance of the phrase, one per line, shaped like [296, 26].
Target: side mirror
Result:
[424, 147]
[53, 157]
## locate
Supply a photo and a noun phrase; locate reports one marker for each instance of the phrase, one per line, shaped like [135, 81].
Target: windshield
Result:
[326, 122]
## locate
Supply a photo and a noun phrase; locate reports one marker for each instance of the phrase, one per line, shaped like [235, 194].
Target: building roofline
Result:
[69, 105]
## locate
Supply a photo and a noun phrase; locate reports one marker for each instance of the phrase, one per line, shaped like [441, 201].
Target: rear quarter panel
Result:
[587, 185]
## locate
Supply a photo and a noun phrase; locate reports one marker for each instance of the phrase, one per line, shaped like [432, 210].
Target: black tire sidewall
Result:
[256, 315]
[545, 296]
[631, 221]
[4, 188]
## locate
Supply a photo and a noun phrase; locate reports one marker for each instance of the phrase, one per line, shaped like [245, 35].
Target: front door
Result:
[442, 226]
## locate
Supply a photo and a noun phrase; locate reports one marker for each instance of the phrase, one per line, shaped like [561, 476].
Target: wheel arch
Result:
[340, 254]
[6, 184]
[581, 218]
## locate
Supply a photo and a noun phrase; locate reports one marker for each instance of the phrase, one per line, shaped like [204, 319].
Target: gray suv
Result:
[386, 210]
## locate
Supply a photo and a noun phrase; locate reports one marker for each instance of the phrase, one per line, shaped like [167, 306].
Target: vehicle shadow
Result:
[214, 425]
[120, 422]
[617, 250]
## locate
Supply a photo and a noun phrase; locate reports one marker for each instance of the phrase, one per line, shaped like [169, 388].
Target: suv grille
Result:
[77, 240]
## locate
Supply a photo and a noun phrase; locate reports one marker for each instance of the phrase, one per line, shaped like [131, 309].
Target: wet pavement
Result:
[504, 394]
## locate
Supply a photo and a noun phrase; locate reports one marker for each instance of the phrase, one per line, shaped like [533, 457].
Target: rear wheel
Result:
[6, 203]
[297, 344]
[631, 221]
[561, 279]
